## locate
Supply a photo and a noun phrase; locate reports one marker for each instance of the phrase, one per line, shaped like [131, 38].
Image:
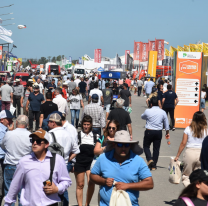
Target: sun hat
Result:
[40, 133]
[200, 175]
[123, 136]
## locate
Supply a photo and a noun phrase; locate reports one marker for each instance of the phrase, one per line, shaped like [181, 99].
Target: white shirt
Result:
[64, 77]
[194, 142]
[75, 101]
[41, 87]
[65, 139]
[43, 76]
[67, 81]
[17, 144]
[203, 94]
[62, 104]
[98, 92]
[77, 81]
[88, 138]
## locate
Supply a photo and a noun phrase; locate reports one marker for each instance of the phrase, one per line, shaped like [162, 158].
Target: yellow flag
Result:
[200, 48]
[167, 53]
[180, 48]
[193, 47]
[186, 48]
[205, 48]
[172, 50]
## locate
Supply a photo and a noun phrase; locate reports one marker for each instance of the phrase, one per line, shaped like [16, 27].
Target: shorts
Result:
[81, 168]
[107, 107]
[203, 103]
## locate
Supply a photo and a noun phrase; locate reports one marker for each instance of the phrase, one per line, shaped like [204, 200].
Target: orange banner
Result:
[160, 48]
[152, 46]
[1, 52]
[138, 51]
[187, 87]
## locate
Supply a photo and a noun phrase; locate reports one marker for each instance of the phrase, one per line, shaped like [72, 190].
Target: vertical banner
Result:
[138, 51]
[1, 52]
[152, 46]
[96, 55]
[152, 63]
[145, 49]
[187, 87]
[70, 59]
[99, 55]
[80, 60]
[160, 48]
[126, 52]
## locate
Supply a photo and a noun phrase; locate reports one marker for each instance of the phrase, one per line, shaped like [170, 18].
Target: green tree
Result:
[42, 60]
[49, 58]
[53, 59]
[58, 58]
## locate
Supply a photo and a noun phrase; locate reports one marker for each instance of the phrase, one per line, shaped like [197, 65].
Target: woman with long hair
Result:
[75, 101]
[195, 193]
[192, 139]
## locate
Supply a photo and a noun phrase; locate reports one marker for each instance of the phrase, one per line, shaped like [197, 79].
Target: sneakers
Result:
[150, 164]
[173, 129]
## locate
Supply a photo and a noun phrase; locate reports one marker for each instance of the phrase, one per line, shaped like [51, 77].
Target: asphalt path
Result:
[164, 193]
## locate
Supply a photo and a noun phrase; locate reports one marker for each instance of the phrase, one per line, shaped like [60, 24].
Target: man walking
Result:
[35, 99]
[6, 96]
[148, 87]
[51, 86]
[97, 114]
[71, 86]
[169, 101]
[33, 173]
[107, 98]
[40, 86]
[25, 97]
[18, 97]
[98, 92]
[82, 88]
[139, 85]
[126, 95]
[155, 119]
[16, 145]
[121, 165]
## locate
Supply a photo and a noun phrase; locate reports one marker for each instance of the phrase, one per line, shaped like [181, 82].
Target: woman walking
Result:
[75, 101]
[192, 139]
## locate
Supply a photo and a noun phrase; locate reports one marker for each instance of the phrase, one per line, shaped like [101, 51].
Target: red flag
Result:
[97, 55]
[138, 51]
[145, 50]
[160, 48]
[152, 46]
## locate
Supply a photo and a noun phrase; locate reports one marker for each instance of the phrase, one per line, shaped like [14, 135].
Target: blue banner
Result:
[80, 60]
[70, 59]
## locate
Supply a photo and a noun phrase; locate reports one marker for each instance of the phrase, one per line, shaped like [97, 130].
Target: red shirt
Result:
[128, 81]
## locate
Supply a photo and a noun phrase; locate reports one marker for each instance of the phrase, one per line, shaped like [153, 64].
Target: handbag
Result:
[12, 109]
[175, 171]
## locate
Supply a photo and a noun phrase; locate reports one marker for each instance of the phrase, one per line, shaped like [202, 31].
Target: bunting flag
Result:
[167, 53]
[186, 48]
[193, 47]
[200, 48]
[6, 38]
[205, 48]
[172, 50]
[180, 48]
[5, 31]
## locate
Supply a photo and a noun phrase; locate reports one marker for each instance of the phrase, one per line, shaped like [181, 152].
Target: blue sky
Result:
[75, 28]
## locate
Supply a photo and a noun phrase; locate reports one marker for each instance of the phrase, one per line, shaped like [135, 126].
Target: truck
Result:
[79, 70]
[52, 67]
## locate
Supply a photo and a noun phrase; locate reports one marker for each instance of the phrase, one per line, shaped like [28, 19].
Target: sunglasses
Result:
[123, 144]
[113, 128]
[38, 141]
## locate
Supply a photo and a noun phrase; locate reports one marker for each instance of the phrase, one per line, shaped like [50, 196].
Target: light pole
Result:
[6, 6]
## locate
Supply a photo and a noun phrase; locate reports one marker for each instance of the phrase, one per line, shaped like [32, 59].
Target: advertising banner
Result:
[99, 55]
[126, 52]
[96, 55]
[145, 50]
[138, 51]
[152, 63]
[70, 59]
[187, 87]
[1, 52]
[152, 46]
[80, 60]
[160, 49]
[20, 60]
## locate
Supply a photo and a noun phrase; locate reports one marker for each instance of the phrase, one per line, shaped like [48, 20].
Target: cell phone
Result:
[47, 182]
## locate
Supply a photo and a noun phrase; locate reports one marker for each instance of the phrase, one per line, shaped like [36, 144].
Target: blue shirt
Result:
[3, 130]
[170, 97]
[160, 95]
[51, 85]
[148, 87]
[130, 171]
[35, 101]
[155, 118]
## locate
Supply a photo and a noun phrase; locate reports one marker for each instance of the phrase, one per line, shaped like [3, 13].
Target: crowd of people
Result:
[39, 147]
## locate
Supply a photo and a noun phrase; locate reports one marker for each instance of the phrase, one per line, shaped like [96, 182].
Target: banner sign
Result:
[145, 50]
[126, 52]
[1, 52]
[137, 50]
[80, 60]
[152, 46]
[160, 48]
[97, 56]
[187, 87]
[70, 59]
[152, 63]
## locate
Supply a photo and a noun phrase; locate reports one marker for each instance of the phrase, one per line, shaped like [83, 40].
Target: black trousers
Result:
[16, 103]
[155, 137]
[171, 112]
[32, 115]
[139, 91]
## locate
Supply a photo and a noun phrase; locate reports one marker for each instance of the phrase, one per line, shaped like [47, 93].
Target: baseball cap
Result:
[40, 133]
[30, 80]
[22, 119]
[54, 117]
[36, 86]
[95, 96]
[6, 114]
[201, 175]
[65, 83]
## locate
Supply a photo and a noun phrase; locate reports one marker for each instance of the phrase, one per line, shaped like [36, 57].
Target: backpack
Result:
[92, 85]
[55, 147]
[80, 139]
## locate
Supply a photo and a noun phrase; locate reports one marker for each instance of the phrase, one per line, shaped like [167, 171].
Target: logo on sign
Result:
[180, 120]
[184, 54]
[188, 67]
[110, 75]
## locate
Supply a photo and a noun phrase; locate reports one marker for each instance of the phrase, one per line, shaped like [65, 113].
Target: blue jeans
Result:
[45, 125]
[73, 113]
[96, 130]
[8, 175]
[66, 197]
